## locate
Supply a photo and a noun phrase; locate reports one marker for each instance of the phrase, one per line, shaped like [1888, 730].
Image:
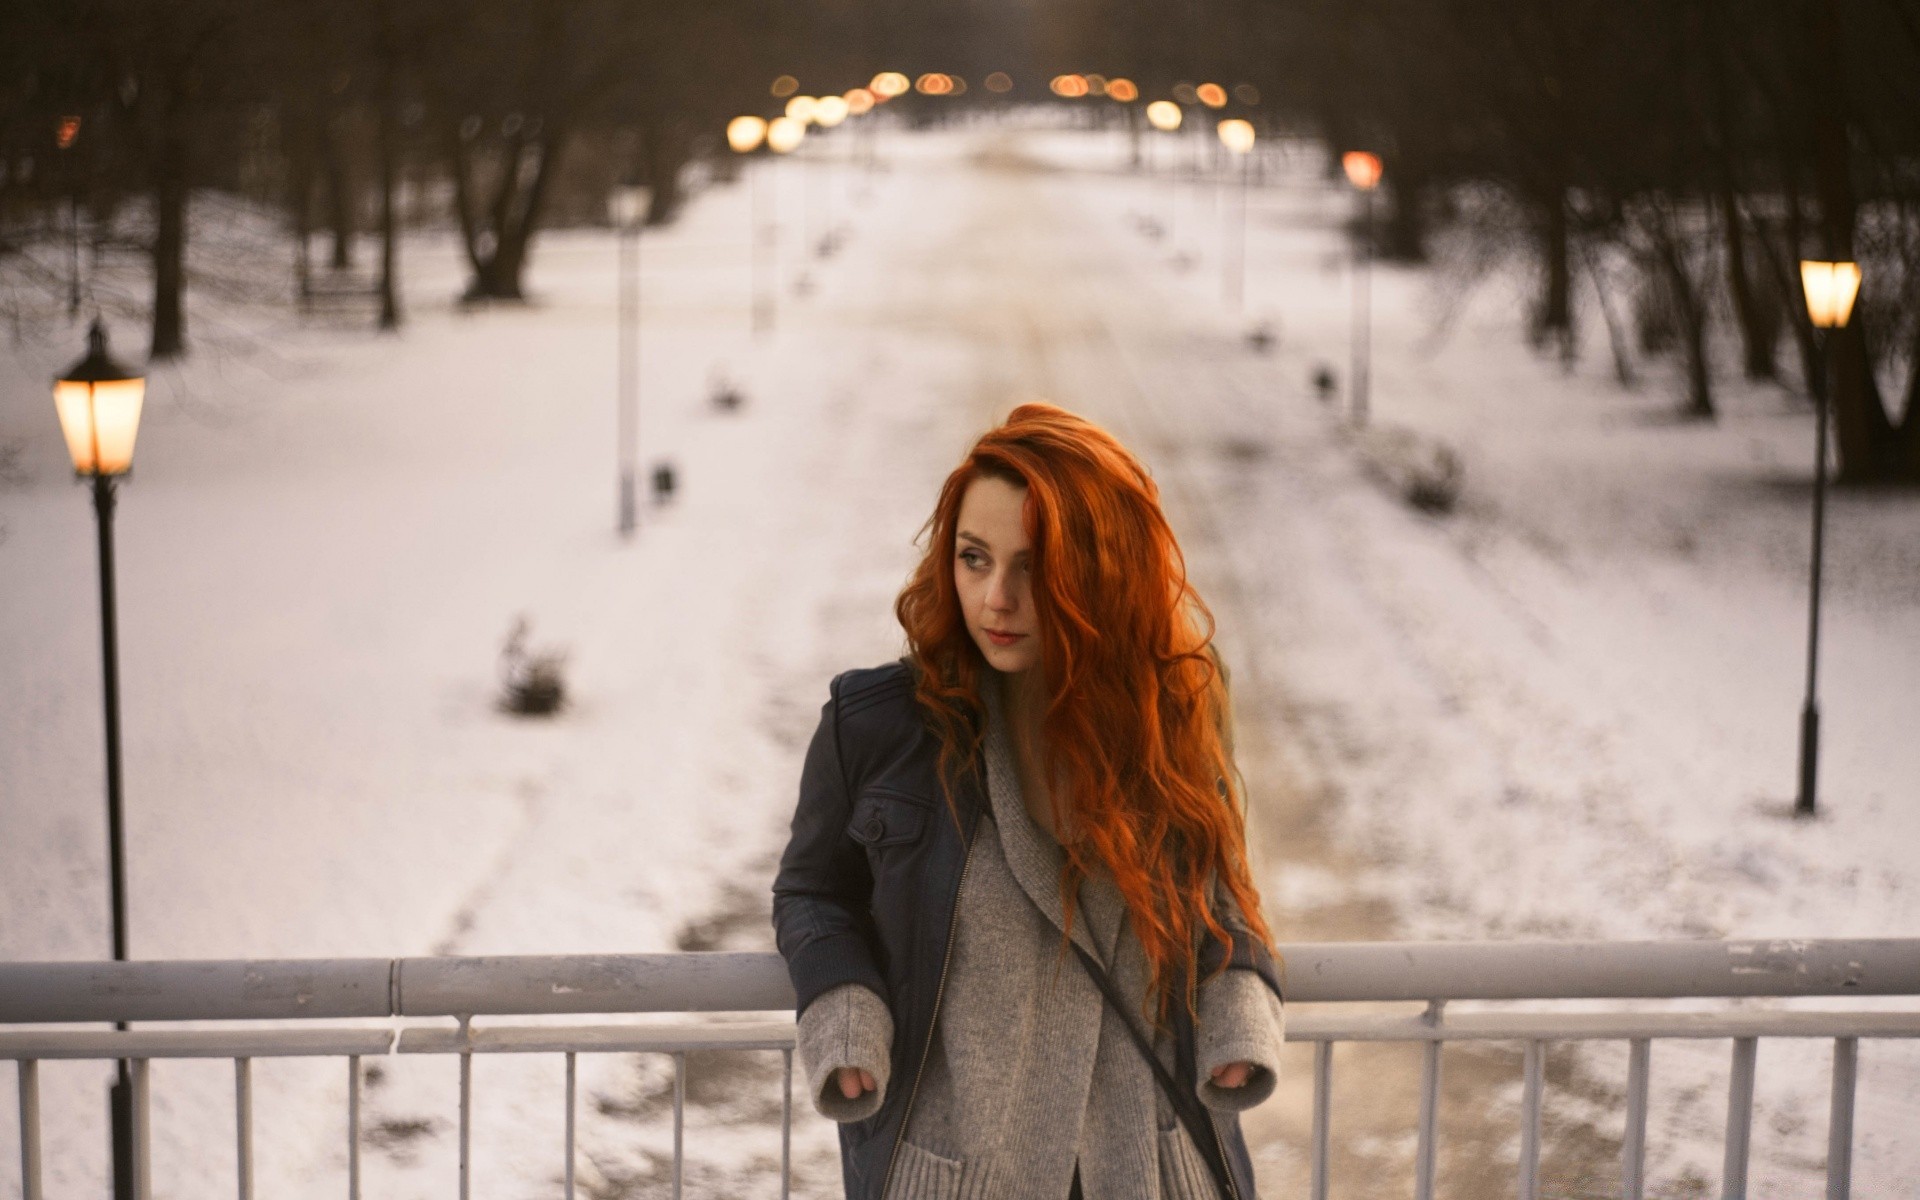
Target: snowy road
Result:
[1565, 711]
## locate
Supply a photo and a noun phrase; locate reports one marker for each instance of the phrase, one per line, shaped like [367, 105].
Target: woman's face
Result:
[993, 574]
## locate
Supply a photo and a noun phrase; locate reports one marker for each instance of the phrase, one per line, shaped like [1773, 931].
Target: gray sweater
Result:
[1030, 1069]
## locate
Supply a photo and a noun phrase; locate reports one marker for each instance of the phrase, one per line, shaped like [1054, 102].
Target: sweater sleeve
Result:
[845, 1026]
[1240, 1020]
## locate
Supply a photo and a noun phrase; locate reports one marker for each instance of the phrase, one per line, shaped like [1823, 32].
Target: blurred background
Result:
[510, 414]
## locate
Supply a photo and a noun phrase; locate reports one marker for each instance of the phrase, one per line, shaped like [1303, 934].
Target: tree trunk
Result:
[1861, 428]
[516, 213]
[388, 101]
[1758, 321]
[170, 168]
[666, 148]
[1692, 310]
[1553, 317]
[339, 193]
[1405, 238]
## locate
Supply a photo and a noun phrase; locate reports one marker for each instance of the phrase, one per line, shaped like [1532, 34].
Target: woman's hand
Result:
[854, 1081]
[1229, 1075]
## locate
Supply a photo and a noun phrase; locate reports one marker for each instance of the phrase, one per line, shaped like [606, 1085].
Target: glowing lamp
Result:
[1184, 93]
[1831, 288]
[1363, 169]
[1070, 87]
[1236, 135]
[1123, 90]
[933, 83]
[802, 109]
[860, 101]
[1164, 115]
[784, 134]
[784, 86]
[66, 131]
[888, 84]
[999, 83]
[829, 111]
[99, 405]
[1211, 94]
[745, 134]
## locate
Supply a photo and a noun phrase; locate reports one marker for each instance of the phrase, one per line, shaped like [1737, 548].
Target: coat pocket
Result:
[887, 818]
[923, 1175]
[1183, 1172]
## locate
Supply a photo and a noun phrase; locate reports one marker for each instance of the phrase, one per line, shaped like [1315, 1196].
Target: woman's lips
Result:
[1003, 639]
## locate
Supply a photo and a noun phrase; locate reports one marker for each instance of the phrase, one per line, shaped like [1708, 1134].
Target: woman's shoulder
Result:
[865, 687]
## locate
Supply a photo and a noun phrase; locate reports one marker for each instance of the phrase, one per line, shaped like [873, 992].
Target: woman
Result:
[1018, 861]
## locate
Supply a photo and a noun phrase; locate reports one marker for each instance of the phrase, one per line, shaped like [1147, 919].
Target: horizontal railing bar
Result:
[195, 1043]
[601, 1039]
[723, 981]
[674, 1037]
[1520, 1027]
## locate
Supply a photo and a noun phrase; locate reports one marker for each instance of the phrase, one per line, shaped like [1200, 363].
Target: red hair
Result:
[1136, 715]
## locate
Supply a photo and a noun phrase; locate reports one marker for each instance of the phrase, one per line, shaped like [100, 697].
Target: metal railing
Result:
[465, 988]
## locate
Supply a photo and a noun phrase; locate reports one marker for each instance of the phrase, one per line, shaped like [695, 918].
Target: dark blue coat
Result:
[866, 894]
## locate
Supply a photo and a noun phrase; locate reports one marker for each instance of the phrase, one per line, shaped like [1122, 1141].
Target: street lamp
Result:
[1830, 288]
[98, 402]
[744, 136]
[625, 206]
[1237, 136]
[1363, 172]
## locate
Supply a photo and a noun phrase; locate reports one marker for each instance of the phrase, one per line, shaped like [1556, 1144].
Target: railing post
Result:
[243, 1124]
[1429, 1107]
[1322, 1114]
[353, 1127]
[1535, 1071]
[570, 1108]
[1739, 1119]
[142, 1130]
[29, 1071]
[466, 1108]
[786, 1127]
[679, 1114]
[1846, 1051]
[1633, 1146]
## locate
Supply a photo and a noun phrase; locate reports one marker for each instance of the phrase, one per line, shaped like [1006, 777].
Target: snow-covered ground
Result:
[1568, 709]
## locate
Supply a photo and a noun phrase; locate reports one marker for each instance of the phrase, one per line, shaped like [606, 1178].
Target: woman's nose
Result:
[999, 594]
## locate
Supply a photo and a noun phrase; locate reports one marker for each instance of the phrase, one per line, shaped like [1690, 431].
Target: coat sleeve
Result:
[847, 1026]
[1241, 1012]
[821, 894]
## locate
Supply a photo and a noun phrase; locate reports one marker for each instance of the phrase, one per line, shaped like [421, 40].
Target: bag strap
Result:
[1185, 1104]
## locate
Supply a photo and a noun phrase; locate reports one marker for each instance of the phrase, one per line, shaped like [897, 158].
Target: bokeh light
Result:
[801, 109]
[1236, 135]
[1212, 95]
[888, 84]
[785, 86]
[1123, 90]
[1363, 169]
[746, 133]
[999, 83]
[1071, 87]
[1164, 115]
[860, 101]
[784, 134]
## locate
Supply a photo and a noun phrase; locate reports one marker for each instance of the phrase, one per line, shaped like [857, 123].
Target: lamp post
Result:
[1363, 172]
[1830, 288]
[784, 135]
[625, 206]
[1165, 116]
[829, 112]
[1238, 137]
[64, 135]
[98, 402]
[744, 136]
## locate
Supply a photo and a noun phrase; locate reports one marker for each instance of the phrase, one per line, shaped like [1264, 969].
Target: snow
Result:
[1567, 709]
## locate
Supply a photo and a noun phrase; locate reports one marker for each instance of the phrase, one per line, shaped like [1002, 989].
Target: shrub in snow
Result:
[533, 680]
[1426, 474]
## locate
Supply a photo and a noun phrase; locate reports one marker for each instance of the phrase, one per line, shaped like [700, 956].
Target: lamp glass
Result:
[1236, 135]
[829, 111]
[100, 420]
[744, 134]
[784, 134]
[1164, 115]
[1831, 288]
[859, 102]
[1363, 169]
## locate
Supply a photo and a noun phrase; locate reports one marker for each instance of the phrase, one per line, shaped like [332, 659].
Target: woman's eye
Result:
[973, 559]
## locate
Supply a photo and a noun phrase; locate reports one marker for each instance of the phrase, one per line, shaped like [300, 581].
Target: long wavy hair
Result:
[1136, 720]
